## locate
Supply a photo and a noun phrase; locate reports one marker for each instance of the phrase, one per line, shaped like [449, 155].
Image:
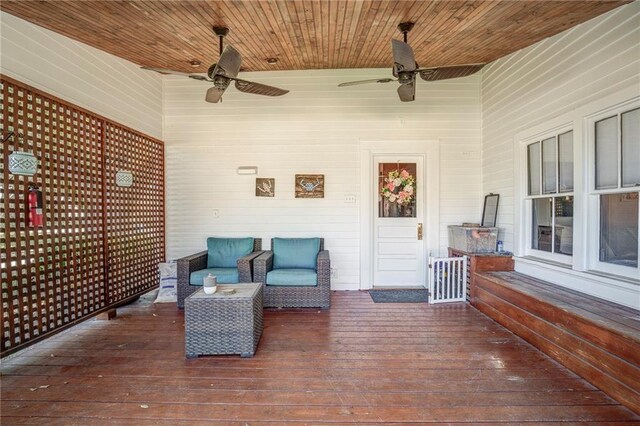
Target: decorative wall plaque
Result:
[23, 163]
[124, 178]
[309, 186]
[265, 187]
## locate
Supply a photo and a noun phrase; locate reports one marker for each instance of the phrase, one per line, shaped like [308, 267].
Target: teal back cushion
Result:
[295, 253]
[225, 252]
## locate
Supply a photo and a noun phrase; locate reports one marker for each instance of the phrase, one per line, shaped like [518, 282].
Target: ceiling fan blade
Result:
[407, 92]
[199, 77]
[166, 71]
[454, 71]
[258, 88]
[214, 94]
[403, 56]
[229, 63]
[377, 80]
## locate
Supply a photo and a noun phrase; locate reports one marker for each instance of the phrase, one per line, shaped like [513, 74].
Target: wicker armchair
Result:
[189, 264]
[292, 296]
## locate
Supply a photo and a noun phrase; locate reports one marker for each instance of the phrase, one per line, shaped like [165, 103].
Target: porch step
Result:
[596, 339]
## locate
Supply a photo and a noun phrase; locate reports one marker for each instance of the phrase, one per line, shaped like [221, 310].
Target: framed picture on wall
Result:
[309, 186]
[265, 187]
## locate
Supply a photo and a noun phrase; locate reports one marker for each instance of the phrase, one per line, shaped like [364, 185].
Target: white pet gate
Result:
[447, 279]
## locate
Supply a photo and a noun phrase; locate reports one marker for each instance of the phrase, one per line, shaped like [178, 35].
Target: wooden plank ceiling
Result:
[307, 34]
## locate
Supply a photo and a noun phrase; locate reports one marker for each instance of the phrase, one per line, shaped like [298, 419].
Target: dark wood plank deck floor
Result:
[359, 363]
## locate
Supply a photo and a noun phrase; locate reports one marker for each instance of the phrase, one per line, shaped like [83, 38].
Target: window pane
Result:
[631, 148]
[549, 165]
[534, 168]
[542, 230]
[607, 153]
[564, 225]
[619, 229]
[565, 158]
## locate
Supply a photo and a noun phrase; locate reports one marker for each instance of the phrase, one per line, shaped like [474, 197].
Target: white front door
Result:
[398, 247]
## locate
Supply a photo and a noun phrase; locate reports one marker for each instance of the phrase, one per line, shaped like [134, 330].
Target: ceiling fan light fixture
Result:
[195, 63]
[405, 78]
[272, 61]
[220, 82]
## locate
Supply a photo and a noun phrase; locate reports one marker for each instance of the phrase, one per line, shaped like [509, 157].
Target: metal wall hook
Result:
[11, 134]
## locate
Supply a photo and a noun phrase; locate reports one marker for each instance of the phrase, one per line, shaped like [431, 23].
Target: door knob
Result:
[419, 231]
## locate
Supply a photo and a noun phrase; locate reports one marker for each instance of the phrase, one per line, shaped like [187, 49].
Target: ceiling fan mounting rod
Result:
[221, 32]
[404, 28]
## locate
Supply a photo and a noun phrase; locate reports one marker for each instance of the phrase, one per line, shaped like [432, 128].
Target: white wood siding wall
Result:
[75, 72]
[546, 80]
[316, 128]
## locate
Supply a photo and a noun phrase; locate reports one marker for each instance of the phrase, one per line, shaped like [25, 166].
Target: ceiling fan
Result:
[224, 71]
[405, 68]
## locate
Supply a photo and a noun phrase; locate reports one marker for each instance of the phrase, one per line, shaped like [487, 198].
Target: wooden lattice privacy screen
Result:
[100, 243]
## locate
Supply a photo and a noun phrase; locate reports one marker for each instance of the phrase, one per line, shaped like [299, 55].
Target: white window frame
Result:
[593, 196]
[527, 200]
[579, 275]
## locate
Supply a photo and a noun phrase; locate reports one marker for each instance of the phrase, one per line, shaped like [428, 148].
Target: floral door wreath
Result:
[399, 187]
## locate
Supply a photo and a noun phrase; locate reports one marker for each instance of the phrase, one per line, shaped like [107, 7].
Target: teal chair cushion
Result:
[224, 275]
[295, 253]
[292, 277]
[225, 252]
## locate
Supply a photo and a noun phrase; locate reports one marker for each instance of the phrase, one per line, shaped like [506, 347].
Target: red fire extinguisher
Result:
[36, 218]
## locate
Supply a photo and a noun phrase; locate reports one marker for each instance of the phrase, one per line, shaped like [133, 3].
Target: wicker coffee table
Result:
[217, 324]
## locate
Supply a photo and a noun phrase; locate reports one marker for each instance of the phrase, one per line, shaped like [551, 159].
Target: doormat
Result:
[399, 296]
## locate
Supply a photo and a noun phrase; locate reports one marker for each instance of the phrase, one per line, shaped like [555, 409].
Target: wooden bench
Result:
[596, 339]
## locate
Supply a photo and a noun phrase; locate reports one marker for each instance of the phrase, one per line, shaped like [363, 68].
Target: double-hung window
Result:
[578, 181]
[615, 182]
[550, 194]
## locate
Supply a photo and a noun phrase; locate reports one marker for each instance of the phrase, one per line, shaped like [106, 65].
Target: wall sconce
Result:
[247, 170]
[21, 162]
[124, 178]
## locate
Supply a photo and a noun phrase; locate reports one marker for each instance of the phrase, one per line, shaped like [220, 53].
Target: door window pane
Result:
[397, 190]
[619, 229]
[542, 224]
[607, 153]
[533, 155]
[549, 165]
[631, 148]
[563, 209]
[565, 161]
